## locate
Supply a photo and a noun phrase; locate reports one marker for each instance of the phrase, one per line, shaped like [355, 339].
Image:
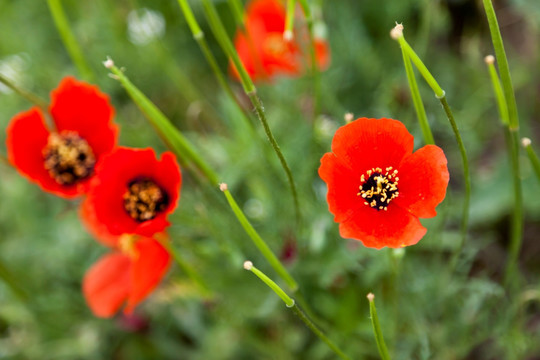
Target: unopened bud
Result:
[490, 59]
[248, 265]
[397, 31]
[526, 142]
[223, 187]
[370, 297]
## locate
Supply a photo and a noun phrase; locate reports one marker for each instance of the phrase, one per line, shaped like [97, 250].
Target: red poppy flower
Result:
[377, 186]
[264, 52]
[62, 160]
[132, 193]
[126, 275]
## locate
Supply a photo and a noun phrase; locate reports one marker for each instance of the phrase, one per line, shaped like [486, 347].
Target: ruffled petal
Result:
[343, 186]
[150, 265]
[368, 143]
[423, 179]
[27, 136]
[113, 176]
[81, 107]
[394, 228]
[106, 284]
[270, 12]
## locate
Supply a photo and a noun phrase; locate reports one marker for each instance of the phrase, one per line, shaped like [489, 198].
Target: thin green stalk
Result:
[502, 62]
[397, 34]
[290, 303]
[33, 98]
[381, 345]
[512, 139]
[172, 137]
[259, 242]
[12, 284]
[497, 88]
[535, 162]
[238, 12]
[69, 40]
[199, 37]
[250, 90]
[190, 272]
[184, 150]
[417, 100]
[289, 20]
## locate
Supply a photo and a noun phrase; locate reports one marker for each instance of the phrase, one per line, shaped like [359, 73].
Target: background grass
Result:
[425, 313]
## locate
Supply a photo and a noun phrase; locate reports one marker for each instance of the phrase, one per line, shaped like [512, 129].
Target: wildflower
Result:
[264, 51]
[132, 193]
[377, 187]
[62, 160]
[125, 276]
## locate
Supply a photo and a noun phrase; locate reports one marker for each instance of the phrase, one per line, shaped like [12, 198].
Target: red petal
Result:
[106, 284]
[95, 227]
[270, 12]
[367, 143]
[114, 174]
[322, 54]
[147, 271]
[27, 135]
[343, 186]
[81, 107]
[423, 178]
[377, 228]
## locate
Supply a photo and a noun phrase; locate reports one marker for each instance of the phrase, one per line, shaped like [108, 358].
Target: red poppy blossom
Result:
[132, 193]
[126, 276]
[61, 160]
[377, 186]
[264, 52]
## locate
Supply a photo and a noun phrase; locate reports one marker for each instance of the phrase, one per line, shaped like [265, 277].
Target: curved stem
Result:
[535, 162]
[69, 40]
[33, 98]
[381, 345]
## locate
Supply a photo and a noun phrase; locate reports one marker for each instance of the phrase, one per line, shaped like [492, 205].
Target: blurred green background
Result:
[424, 312]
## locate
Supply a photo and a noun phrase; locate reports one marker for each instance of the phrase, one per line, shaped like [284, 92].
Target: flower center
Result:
[144, 199]
[274, 45]
[379, 187]
[68, 158]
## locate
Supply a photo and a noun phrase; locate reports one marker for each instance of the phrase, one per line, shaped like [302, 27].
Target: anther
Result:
[144, 199]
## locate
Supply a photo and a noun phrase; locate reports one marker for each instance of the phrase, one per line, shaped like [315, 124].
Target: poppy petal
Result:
[343, 186]
[394, 228]
[369, 143]
[106, 284]
[27, 136]
[423, 178]
[151, 263]
[81, 107]
[95, 227]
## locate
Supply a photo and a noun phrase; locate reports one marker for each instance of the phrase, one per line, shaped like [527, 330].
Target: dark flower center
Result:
[379, 187]
[68, 158]
[144, 199]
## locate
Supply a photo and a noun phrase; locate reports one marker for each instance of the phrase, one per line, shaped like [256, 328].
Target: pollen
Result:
[144, 199]
[68, 158]
[378, 187]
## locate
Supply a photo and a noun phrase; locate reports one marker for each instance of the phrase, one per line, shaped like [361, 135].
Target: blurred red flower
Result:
[126, 275]
[132, 193]
[264, 52]
[62, 160]
[377, 187]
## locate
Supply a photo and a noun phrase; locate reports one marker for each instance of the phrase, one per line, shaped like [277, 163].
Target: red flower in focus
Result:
[127, 275]
[132, 193]
[264, 52]
[62, 160]
[377, 187]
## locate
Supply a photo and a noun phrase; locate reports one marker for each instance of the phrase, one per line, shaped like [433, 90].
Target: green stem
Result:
[502, 62]
[532, 156]
[259, 242]
[290, 303]
[497, 89]
[417, 100]
[199, 37]
[69, 40]
[238, 12]
[172, 137]
[33, 98]
[289, 20]
[512, 140]
[190, 272]
[381, 345]
[249, 88]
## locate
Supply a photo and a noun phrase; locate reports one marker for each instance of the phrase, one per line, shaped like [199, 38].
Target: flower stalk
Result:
[251, 91]
[381, 345]
[526, 142]
[33, 98]
[73, 48]
[397, 34]
[290, 303]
